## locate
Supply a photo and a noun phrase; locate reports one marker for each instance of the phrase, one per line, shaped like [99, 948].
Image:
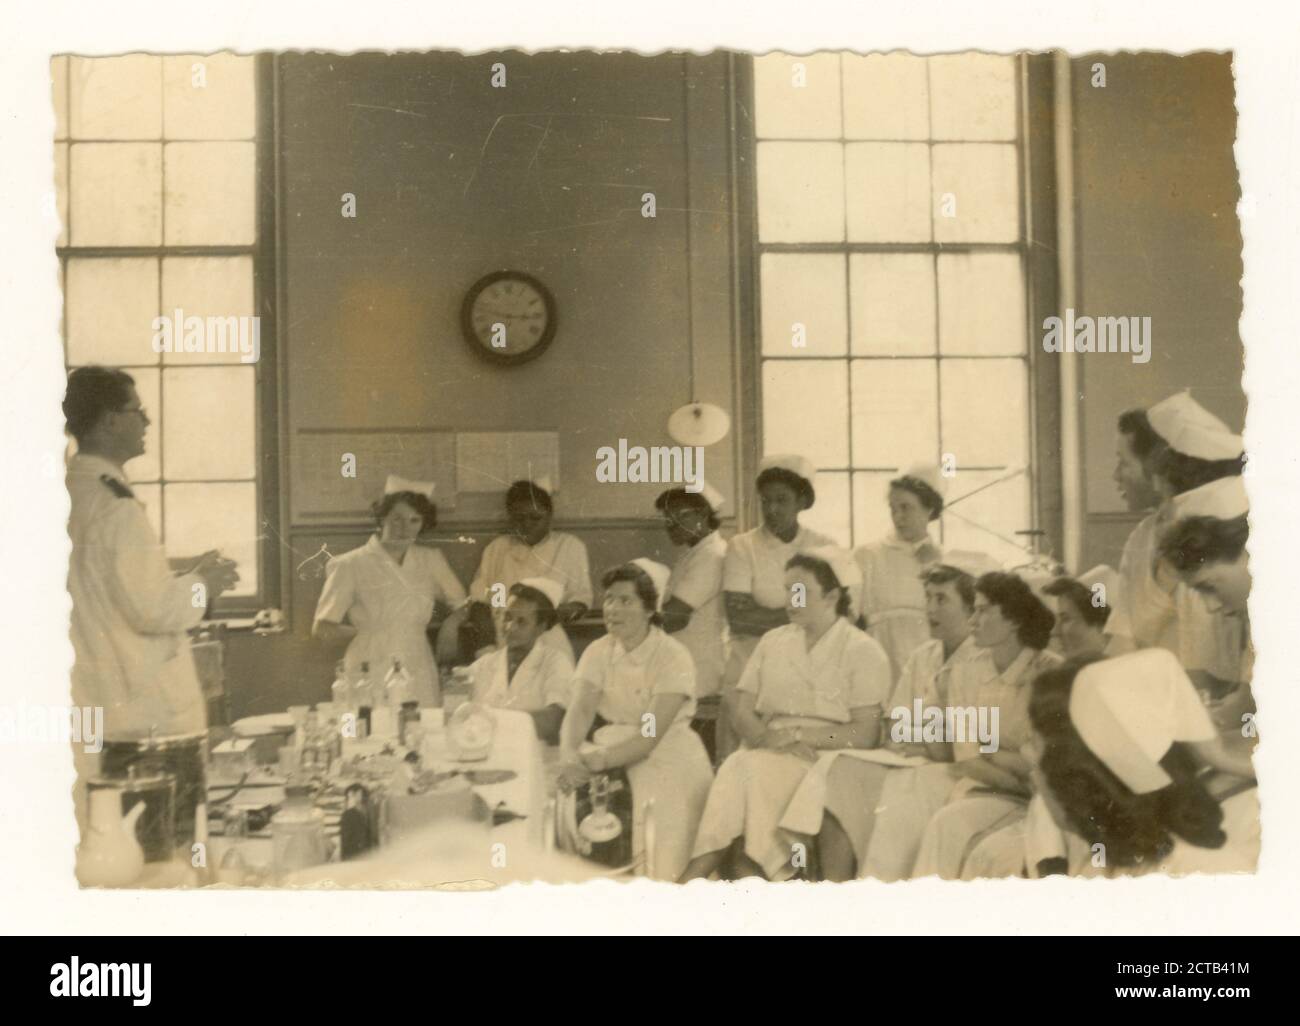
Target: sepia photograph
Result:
[573, 465]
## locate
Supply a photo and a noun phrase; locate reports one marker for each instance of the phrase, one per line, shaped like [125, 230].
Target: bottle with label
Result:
[397, 685]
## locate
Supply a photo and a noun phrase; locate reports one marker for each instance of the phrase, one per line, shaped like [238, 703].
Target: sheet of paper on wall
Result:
[488, 461]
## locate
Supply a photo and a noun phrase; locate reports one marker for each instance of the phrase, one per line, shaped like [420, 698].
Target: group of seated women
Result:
[790, 709]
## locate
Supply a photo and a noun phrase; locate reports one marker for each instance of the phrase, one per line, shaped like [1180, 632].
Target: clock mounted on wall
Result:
[508, 317]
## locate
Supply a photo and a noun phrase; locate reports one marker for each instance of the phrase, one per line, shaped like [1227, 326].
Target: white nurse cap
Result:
[402, 484]
[929, 476]
[1224, 499]
[1129, 711]
[552, 589]
[1189, 428]
[658, 573]
[800, 466]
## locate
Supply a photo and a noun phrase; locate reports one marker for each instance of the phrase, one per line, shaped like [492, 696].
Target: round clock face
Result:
[508, 317]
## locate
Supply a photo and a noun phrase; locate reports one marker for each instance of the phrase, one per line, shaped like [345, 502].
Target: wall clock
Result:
[508, 317]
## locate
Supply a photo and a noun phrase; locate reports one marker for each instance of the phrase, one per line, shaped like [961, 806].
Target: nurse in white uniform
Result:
[382, 596]
[521, 674]
[642, 683]
[893, 597]
[753, 575]
[815, 685]
[1118, 750]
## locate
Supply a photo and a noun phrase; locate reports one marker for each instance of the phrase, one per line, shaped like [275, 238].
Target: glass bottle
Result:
[364, 695]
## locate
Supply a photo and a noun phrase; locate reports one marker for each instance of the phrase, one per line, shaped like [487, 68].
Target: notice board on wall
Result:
[321, 459]
[488, 461]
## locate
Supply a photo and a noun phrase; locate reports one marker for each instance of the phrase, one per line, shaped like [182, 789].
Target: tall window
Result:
[156, 166]
[892, 284]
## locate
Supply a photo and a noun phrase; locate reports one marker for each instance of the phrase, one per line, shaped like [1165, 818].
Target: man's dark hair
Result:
[92, 392]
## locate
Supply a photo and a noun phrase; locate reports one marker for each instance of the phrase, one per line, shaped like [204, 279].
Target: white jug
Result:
[110, 855]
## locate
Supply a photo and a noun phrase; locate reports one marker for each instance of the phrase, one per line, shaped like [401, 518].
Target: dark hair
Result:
[420, 503]
[1019, 604]
[680, 498]
[1192, 542]
[1135, 828]
[926, 495]
[1079, 595]
[1142, 436]
[801, 486]
[546, 614]
[825, 577]
[942, 573]
[525, 492]
[642, 582]
[92, 392]
[1185, 472]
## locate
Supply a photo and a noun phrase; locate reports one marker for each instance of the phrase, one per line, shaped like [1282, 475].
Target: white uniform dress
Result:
[559, 557]
[893, 595]
[544, 678]
[755, 566]
[793, 685]
[676, 775]
[697, 580]
[1169, 615]
[390, 605]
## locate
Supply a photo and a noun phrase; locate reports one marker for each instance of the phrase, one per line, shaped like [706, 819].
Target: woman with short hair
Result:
[893, 601]
[813, 686]
[382, 596]
[639, 679]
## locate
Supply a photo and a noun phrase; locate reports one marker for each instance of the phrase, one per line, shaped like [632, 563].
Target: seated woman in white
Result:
[638, 678]
[1012, 628]
[382, 596]
[1121, 747]
[521, 674]
[815, 685]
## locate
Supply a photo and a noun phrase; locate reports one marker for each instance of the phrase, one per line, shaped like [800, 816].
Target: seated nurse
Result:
[812, 686]
[532, 549]
[521, 674]
[1119, 745]
[382, 596]
[753, 574]
[641, 682]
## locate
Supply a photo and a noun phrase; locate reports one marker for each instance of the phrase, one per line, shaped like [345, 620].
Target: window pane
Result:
[145, 467]
[209, 417]
[784, 109]
[895, 413]
[800, 192]
[888, 192]
[116, 194]
[1003, 508]
[210, 197]
[198, 517]
[216, 287]
[871, 506]
[805, 289]
[973, 96]
[885, 97]
[116, 97]
[806, 409]
[893, 304]
[59, 83]
[984, 409]
[61, 189]
[981, 180]
[830, 513]
[981, 304]
[208, 97]
[111, 305]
